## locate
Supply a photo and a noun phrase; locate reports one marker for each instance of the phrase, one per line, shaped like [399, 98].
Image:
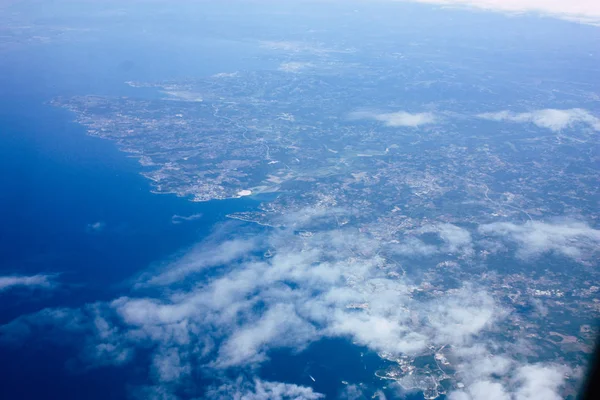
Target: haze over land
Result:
[421, 190]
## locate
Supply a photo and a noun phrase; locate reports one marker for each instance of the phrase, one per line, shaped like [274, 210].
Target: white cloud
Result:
[477, 363]
[573, 239]
[553, 119]
[279, 326]
[487, 390]
[262, 390]
[32, 281]
[456, 319]
[397, 119]
[585, 11]
[526, 382]
[456, 238]
[540, 382]
[177, 219]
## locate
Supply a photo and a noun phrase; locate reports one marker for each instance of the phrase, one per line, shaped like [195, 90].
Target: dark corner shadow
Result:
[591, 386]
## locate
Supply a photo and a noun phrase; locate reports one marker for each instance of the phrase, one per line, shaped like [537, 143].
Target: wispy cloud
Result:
[31, 281]
[584, 11]
[569, 238]
[397, 119]
[549, 118]
[208, 254]
[177, 219]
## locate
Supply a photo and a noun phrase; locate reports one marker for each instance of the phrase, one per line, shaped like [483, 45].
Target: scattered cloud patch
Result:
[553, 119]
[32, 281]
[397, 119]
[95, 227]
[569, 238]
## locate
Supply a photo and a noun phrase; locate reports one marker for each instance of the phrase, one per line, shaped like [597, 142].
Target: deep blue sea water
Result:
[54, 183]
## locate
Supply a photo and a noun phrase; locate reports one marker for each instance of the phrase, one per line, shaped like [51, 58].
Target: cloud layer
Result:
[330, 284]
[549, 118]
